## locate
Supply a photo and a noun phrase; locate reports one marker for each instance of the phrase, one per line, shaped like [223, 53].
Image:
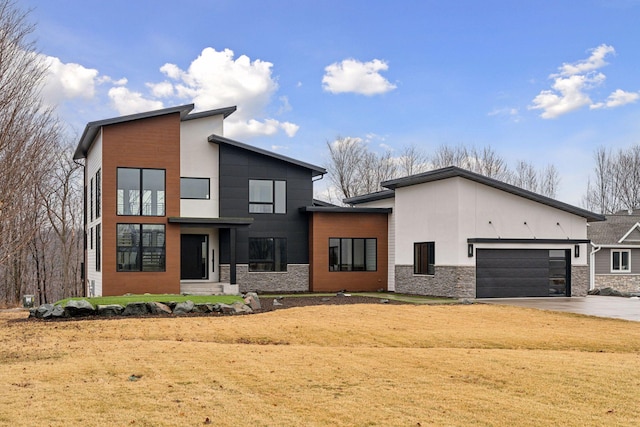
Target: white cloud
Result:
[571, 85]
[354, 76]
[617, 99]
[67, 81]
[129, 102]
[161, 90]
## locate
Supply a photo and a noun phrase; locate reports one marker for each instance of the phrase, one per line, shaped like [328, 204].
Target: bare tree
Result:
[345, 155]
[484, 161]
[412, 161]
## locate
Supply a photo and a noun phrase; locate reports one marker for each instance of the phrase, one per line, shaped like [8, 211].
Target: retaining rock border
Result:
[83, 308]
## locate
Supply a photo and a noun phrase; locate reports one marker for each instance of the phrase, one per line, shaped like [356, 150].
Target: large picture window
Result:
[267, 196]
[141, 192]
[620, 261]
[194, 188]
[267, 254]
[140, 247]
[346, 254]
[424, 256]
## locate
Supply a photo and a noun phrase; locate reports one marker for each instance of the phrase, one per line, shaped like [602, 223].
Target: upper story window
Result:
[267, 196]
[352, 254]
[620, 261]
[195, 188]
[98, 193]
[424, 257]
[141, 192]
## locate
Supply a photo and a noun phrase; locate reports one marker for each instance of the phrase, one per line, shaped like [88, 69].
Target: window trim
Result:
[268, 261]
[141, 247]
[620, 270]
[275, 193]
[430, 249]
[196, 178]
[141, 191]
[352, 257]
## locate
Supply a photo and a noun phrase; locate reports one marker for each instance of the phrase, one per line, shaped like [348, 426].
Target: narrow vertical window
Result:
[424, 258]
[91, 200]
[98, 193]
[98, 247]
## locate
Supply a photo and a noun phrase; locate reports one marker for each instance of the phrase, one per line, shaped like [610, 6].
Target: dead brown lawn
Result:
[350, 365]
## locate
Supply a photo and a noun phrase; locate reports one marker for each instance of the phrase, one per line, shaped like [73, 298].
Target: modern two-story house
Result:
[173, 206]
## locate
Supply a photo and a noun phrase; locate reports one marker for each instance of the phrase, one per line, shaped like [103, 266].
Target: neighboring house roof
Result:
[315, 170]
[453, 171]
[92, 128]
[618, 229]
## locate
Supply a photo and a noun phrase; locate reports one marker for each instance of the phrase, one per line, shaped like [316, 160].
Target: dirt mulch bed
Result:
[267, 303]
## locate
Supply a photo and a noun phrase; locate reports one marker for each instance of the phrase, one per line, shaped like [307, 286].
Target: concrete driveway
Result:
[592, 305]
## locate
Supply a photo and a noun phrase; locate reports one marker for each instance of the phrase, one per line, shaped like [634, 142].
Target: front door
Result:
[193, 256]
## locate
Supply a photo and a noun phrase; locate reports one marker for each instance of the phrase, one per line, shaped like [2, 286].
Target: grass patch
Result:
[164, 298]
[415, 299]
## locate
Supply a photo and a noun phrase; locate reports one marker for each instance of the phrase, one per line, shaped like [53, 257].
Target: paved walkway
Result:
[592, 305]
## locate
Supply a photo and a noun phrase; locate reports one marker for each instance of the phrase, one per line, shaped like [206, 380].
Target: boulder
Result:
[241, 308]
[224, 308]
[79, 308]
[158, 308]
[135, 309]
[277, 303]
[184, 307]
[203, 308]
[109, 310]
[252, 300]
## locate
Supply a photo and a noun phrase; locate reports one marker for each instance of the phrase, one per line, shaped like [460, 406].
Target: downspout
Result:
[592, 266]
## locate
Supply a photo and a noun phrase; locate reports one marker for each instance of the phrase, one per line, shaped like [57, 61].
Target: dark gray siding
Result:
[603, 261]
[237, 167]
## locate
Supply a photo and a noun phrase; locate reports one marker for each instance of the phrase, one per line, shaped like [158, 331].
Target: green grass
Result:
[126, 299]
[415, 299]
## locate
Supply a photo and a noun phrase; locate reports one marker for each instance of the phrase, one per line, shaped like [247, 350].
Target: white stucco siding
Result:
[199, 159]
[391, 236]
[450, 211]
[93, 164]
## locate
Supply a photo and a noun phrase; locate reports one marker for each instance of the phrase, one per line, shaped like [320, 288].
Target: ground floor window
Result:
[424, 258]
[98, 247]
[620, 261]
[267, 254]
[140, 247]
[349, 254]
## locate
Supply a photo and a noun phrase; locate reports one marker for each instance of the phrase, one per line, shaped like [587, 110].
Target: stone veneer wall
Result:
[579, 280]
[295, 279]
[629, 283]
[448, 281]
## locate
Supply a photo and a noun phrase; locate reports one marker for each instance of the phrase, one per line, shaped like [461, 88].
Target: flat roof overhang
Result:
[345, 209]
[527, 241]
[211, 222]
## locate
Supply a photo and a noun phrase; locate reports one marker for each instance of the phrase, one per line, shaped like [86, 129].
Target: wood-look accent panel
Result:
[147, 143]
[346, 225]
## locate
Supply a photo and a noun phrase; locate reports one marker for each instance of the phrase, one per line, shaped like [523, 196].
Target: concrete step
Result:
[201, 288]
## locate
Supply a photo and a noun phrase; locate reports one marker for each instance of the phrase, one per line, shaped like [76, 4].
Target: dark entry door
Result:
[193, 256]
[508, 273]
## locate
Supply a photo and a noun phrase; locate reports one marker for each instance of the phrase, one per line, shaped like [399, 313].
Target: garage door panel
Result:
[504, 273]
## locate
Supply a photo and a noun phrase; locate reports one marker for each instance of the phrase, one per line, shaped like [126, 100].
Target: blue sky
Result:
[542, 81]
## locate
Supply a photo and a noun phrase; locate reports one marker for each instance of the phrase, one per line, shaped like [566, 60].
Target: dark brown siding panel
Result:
[148, 143]
[324, 226]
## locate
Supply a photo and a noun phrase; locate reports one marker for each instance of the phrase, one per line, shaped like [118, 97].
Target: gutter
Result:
[592, 266]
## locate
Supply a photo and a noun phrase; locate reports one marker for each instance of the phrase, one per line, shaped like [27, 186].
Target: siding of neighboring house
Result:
[150, 143]
[237, 167]
[623, 281]
[325, 226]
[93, 164]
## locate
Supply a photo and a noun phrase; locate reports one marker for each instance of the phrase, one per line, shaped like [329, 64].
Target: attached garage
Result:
[509, 273]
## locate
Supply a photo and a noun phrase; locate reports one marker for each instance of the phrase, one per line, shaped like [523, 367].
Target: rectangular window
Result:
[424, 257]
[140, 247]
[620, 261]
[353, 254]
[267, 254]
[194, 188]
[98, 193]
[98, 247]
[91, 238]
[141, 192]
[91, 200]
[267, 196]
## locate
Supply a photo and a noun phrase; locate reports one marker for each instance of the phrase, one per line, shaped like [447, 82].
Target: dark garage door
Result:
[508, 273]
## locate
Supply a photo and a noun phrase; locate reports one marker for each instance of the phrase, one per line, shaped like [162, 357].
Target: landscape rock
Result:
[108, 310]
[276, 303]
[184, 307]
[224, 308]
[79, 308]
[252, 300]
[240, 308]
[203, 308]
[136, 309]
[158, 308]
